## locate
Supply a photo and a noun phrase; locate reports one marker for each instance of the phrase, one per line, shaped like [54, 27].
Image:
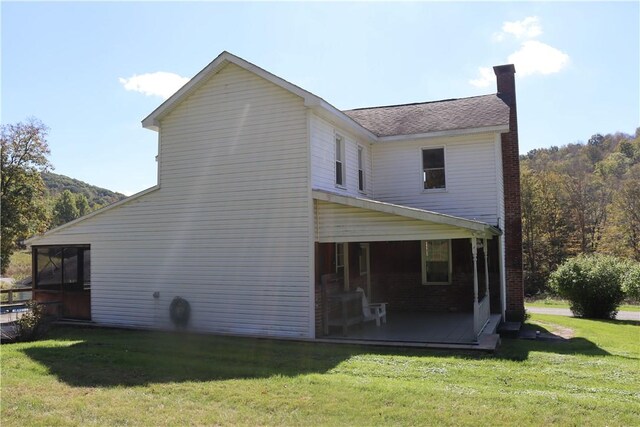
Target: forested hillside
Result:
[580, 198]
[69, 198]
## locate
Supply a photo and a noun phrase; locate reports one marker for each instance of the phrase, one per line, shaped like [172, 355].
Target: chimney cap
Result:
[504, 69]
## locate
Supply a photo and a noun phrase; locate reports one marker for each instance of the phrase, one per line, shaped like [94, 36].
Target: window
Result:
[339, 260]
[59, 268]
[433, 168]
[340, 169]
[436, 262]
[360, 168]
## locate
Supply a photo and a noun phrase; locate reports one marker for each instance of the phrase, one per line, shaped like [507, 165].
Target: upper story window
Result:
[340, 169]
[360, 168]
[433, 168]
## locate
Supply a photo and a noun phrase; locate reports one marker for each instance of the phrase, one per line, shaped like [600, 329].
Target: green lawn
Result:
[559, 303]
[115, 377]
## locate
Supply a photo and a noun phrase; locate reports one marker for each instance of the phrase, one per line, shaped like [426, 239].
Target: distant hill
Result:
[96, 196]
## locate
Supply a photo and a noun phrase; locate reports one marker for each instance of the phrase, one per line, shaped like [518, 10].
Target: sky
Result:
[92, 71]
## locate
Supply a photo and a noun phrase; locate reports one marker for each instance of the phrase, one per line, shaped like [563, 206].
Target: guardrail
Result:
[15, 295]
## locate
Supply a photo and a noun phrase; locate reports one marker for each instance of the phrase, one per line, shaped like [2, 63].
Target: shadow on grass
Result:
[113, 357]
[87, 357]
[547, 341]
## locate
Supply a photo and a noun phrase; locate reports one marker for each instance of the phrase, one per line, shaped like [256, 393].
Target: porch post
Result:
[476, 308]
[486, 266]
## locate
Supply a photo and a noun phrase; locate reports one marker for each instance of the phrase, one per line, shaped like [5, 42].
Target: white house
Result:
[272, 207]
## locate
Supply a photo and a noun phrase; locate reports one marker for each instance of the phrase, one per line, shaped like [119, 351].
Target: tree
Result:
[82, 204]
[23, 157]
[65, 209]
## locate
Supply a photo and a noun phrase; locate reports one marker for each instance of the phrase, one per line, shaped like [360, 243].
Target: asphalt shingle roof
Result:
[449, 114]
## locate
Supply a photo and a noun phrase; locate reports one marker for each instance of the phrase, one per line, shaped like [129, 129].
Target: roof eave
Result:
[444, 133]
[152, 121]
[33, 239]
[476, 227]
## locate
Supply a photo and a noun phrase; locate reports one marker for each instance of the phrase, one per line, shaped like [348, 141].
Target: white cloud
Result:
[535, 57]
[486, 77]
[528, 28]
[160, 83]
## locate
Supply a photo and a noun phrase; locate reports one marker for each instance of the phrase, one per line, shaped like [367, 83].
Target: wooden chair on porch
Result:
[373, 311]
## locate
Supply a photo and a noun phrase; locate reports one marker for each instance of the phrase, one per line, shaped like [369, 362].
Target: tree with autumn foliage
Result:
[579, 199]
[23, 157]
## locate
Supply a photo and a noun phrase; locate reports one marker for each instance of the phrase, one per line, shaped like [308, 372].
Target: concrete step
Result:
[509, 329]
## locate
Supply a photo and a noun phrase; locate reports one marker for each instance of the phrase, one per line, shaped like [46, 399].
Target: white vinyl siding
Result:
[228, 230]
[323, 159]
[470, 176]
[340, 223]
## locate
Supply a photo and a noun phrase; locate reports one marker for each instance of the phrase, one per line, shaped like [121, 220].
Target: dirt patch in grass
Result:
[556, 332]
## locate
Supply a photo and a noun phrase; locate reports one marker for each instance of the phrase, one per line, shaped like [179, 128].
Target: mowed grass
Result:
[560, 303]
[19, 265]
[117, 377]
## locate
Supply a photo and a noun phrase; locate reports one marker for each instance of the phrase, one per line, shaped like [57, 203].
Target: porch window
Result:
[339, 260]
[58, 268]
[433, 168]
[360, 169]
[340, 169]
[436, 262]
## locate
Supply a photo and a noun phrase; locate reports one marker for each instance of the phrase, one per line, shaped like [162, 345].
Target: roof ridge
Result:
[419, 103]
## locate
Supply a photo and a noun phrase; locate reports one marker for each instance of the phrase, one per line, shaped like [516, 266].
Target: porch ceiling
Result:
[350, 219]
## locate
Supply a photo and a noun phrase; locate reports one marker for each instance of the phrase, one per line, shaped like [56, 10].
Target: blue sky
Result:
[89, 70]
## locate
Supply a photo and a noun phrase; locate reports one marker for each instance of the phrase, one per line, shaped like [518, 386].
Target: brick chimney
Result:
[505, 77]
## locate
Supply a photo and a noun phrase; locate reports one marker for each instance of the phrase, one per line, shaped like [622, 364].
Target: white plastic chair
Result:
[375, 311]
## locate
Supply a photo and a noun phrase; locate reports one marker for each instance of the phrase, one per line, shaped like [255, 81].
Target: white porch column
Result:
[476, 307]
[486, 266]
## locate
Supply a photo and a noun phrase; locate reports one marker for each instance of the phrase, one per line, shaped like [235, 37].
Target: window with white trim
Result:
[360, 168]
[339, 260]
[433, 168]
[340, 167]
[436, 262]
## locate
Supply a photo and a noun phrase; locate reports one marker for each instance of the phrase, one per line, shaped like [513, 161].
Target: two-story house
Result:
[272, 205]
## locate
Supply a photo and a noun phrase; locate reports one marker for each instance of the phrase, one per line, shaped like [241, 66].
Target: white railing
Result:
[481, 312]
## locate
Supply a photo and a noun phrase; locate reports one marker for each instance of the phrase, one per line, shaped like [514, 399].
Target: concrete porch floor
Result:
[450, 328]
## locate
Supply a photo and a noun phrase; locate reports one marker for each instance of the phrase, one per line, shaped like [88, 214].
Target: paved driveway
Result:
[622, 315]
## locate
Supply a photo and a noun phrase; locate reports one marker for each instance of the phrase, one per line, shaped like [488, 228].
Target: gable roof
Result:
[152, 121]
[411, 119]
[475, 114]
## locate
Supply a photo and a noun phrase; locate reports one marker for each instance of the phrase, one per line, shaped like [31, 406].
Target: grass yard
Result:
[115, 377]
[560, 303]
[19, 265]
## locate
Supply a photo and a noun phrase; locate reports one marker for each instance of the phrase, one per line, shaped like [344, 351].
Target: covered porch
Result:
[440, 276]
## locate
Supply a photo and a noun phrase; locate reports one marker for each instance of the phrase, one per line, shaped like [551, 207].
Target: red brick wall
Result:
[397, 278]
[513, 220]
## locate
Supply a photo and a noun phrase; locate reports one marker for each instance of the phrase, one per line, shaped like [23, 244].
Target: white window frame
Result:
[339, 259]
[340, 158]
[362, 179]
[444, 155]
[423, 246]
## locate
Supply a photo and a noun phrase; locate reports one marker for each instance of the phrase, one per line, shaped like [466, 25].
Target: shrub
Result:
[631, 282]
[592, 284]
[33, 324]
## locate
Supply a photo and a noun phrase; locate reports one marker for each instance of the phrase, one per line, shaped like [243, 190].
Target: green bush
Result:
[33, 324]
[592, 284]
[631, 282]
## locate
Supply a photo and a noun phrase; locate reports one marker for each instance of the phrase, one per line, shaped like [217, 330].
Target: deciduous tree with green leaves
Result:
[23, 157]
[65, 209]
